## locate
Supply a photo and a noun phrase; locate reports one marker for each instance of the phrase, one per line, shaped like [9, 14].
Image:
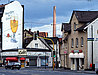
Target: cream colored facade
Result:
[67, 45]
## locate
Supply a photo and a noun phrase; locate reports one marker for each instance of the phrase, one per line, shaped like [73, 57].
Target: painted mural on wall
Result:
[12, 28]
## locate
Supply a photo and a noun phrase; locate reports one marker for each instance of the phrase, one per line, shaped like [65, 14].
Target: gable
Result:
[40, 44]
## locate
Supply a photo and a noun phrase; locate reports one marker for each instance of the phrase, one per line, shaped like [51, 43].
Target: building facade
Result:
[11, 30]
[76, 42]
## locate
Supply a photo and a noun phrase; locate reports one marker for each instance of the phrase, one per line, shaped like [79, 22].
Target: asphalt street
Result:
[30, 71]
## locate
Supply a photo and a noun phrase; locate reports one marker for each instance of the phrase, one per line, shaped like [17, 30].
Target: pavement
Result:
[55, 70]
[59, 69]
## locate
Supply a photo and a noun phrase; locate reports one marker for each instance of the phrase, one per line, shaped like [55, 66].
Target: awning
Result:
[11, 59]
[76, 55]
[22, 58]
[71, 55]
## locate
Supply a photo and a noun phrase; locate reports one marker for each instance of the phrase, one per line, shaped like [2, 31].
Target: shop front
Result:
[77, 60]
[28, 58]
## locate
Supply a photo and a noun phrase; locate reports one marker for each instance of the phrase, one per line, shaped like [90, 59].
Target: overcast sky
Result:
[39, 13]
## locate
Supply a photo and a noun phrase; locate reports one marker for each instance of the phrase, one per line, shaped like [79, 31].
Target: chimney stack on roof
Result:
[30, 30]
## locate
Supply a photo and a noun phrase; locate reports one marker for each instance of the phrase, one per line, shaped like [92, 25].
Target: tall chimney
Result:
[54, 21]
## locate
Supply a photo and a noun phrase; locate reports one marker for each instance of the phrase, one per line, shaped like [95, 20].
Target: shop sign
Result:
[76, 51]
[22, 52]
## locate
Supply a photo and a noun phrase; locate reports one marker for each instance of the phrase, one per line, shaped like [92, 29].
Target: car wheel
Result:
[18, 68]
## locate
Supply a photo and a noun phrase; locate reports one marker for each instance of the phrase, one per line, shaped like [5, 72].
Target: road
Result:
[39, 72]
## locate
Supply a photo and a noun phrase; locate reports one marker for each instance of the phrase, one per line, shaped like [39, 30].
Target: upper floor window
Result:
[72, 43]
[81, 41]
[74, 26]
[76, 42]
[36, 45]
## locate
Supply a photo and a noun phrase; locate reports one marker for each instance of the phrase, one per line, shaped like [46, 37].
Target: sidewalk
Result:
[60, 70]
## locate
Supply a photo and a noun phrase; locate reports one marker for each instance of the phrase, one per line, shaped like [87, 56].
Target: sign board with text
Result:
[22, 52]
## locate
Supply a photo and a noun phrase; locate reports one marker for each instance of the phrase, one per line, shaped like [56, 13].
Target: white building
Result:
[46, 44]
[92, 32]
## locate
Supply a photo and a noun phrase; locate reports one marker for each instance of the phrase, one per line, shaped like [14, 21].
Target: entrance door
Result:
[22, 63]
[77, 60]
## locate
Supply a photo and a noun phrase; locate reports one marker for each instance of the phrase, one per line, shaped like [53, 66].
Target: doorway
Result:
[77, 61]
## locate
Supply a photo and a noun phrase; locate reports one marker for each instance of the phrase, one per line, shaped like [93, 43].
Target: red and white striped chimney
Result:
[54, 21]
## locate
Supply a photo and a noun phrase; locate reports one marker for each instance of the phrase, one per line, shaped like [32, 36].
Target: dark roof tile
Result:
[86, 16]
[66, 27]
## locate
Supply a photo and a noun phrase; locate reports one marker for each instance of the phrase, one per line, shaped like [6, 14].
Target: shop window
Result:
[81, 41]
[76, 42]
[72, 43]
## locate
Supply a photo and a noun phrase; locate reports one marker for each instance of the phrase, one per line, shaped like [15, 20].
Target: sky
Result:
[38, 14]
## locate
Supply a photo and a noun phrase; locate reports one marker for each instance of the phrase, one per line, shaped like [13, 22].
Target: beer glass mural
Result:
[14, 27]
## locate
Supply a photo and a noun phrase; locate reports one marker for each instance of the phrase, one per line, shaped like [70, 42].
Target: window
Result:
[74, 26]
[76, 42]
[81, 41]
[72, 42]
[36, 45]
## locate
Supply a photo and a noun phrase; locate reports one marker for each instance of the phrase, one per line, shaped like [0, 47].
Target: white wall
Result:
[40, 44]
[12, 11]
[95, 42]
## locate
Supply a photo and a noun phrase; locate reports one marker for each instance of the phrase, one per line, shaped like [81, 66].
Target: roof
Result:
[28, 49]
[31, 33]
[81, 28]
[45, 43]
[27, 41]
[66, 27]
[85, 16]
[55, 39]
[65, 38]
[38, 50]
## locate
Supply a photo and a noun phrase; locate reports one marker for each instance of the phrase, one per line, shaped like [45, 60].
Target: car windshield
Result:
[11, 63]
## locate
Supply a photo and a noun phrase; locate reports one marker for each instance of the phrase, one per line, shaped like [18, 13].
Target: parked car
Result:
[13, 65]
[16, 65]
